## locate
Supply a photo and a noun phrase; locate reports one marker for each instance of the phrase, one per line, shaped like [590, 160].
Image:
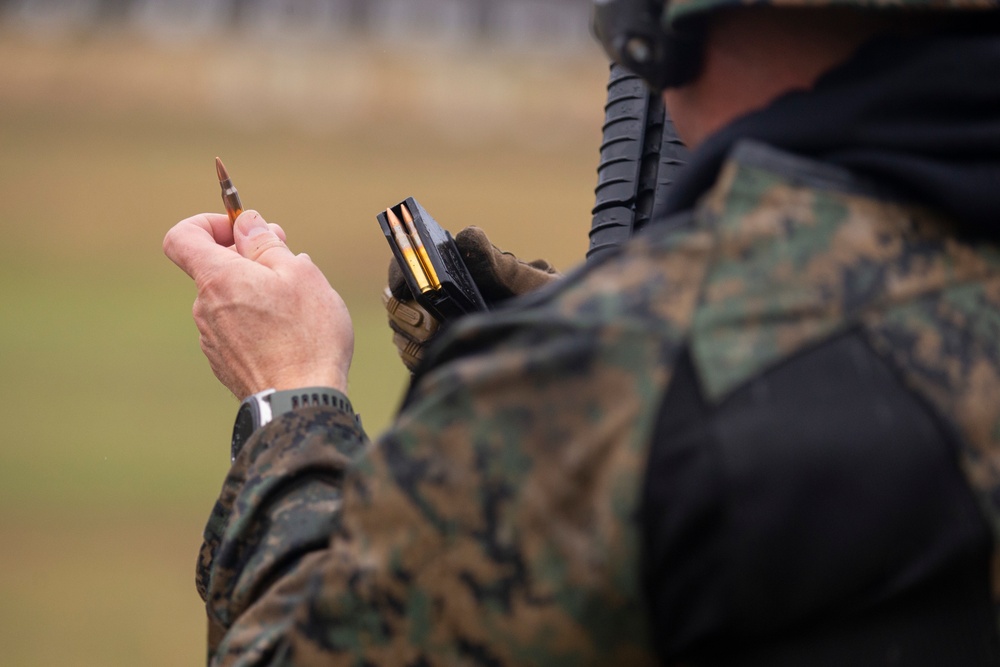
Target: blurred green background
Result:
[115, 432]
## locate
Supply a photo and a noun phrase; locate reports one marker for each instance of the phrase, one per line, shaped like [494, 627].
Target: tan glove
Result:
[411, 325]
[498, 274]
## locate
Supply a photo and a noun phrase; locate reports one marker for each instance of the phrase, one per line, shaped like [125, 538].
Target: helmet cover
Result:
[661, 41]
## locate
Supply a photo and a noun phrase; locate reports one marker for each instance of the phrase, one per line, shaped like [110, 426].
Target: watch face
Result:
[245, 425]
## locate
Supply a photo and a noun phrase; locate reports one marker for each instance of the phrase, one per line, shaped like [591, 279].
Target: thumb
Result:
[500, 275]
[256, 241]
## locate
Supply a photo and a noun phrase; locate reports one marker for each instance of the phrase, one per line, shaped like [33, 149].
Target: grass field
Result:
[115, 432]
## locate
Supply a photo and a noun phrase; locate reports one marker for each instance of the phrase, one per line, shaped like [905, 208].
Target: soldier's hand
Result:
[499, 275]
[411, 325]
[268, 318]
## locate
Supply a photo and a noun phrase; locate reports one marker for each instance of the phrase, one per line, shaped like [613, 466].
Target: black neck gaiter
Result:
[920, 115]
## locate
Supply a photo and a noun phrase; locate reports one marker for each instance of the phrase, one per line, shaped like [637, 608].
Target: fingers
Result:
[198, 243]
[411, 352]
[204, 242]
[409, 315]
[412, 328]
[257, 241]
[397, 283]
[276, 228]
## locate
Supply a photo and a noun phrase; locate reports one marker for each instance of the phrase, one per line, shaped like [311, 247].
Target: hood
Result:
[920, 115]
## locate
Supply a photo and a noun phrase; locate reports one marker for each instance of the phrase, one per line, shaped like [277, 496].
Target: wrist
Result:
[259, 409]
[287, 400]
[293, 379]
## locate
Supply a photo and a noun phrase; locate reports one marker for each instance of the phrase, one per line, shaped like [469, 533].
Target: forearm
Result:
[279, 504]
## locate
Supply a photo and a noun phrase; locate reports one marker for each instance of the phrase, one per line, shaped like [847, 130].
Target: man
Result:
[765, 432]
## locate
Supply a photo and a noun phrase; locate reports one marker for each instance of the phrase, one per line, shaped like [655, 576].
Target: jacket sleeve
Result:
[279, 503]
[472, 531]
[493, 523]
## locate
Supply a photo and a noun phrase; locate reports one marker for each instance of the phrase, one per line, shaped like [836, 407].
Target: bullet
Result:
[230, 197]
[403, 243]
[418, 246]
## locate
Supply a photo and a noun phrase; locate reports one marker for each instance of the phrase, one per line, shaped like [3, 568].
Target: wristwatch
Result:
[258, 409]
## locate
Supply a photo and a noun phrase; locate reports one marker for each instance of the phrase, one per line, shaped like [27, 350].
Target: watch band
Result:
[290, 399]
[260, 408]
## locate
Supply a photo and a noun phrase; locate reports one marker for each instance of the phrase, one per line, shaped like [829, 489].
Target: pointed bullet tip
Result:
[220, 169]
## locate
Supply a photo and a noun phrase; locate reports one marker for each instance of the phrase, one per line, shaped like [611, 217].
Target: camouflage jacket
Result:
[494, 523]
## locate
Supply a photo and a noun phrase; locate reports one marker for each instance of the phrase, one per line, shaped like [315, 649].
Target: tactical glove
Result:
[498, 274]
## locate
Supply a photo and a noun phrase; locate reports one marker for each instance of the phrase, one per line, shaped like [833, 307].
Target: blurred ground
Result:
[115, 432]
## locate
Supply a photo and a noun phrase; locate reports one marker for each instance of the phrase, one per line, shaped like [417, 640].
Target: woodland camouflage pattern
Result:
[494, 524]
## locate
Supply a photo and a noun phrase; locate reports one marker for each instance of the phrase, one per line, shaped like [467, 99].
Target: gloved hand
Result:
[498, 274]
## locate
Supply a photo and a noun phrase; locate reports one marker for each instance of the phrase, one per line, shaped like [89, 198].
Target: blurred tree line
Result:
[549, 21]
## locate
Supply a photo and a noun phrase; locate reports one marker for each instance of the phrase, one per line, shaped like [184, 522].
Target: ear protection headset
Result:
[635, 35]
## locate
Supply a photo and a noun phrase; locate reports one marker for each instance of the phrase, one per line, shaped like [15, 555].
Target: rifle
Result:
[640, 157]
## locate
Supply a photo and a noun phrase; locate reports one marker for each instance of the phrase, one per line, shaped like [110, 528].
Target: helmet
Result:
[661, 40]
